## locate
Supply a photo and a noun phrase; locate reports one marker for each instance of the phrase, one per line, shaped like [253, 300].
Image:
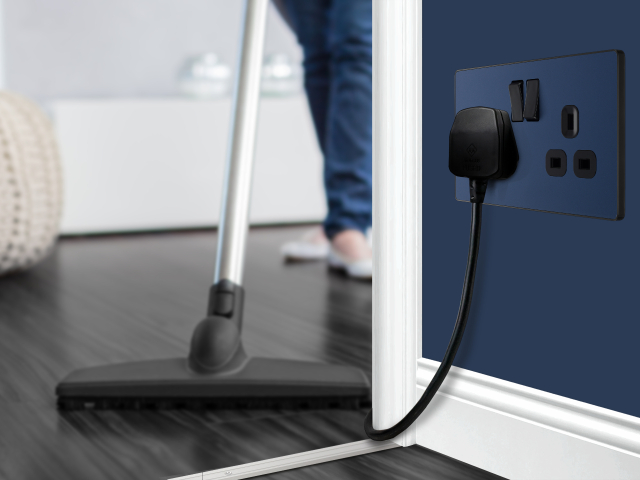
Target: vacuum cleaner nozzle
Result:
[217, 374]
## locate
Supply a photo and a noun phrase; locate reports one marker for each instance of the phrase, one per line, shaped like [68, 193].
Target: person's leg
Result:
[310, 22]
[309, 19]
[336, 39]
[347, 170]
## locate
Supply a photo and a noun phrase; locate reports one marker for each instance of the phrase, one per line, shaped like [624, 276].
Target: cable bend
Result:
[454, 343]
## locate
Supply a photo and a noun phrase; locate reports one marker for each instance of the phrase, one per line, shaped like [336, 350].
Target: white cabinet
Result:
[153, 164]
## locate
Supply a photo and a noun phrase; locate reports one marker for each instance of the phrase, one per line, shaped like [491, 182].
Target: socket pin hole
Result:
[556, 163]
[585, 164]
[569, 121]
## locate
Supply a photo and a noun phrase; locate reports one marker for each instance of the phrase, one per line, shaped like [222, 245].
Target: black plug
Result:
[482, 147]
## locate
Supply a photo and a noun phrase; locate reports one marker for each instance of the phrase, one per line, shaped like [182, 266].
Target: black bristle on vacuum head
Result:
[333, 403]
[256, 383]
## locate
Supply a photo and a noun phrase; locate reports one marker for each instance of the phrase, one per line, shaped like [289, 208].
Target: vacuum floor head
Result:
[217, 374]
[253, 384]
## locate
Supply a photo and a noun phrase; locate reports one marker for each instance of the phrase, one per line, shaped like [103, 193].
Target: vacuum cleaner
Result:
[217, 373]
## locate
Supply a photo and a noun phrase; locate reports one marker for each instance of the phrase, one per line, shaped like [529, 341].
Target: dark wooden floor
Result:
[412, 463]
[113, 299]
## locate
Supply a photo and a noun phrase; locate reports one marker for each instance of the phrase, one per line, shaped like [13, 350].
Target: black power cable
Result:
[482, 147]
[478, 188]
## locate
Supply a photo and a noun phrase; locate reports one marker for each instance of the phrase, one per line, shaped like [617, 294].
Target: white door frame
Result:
[397, 209]
[397, 237]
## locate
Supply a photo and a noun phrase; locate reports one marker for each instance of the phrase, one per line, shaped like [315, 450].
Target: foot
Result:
[351, 251]
[313, 245]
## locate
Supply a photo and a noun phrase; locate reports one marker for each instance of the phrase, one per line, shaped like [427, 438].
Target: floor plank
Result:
[112, 299]
[412, 463]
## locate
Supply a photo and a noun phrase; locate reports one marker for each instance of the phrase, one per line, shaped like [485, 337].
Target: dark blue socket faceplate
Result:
[594, 84]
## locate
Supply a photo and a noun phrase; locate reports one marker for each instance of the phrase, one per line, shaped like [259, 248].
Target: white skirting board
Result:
[152, 164]
[522, 433]
[298, 460]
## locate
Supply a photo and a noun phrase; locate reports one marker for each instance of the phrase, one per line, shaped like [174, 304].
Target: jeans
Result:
[335, 36]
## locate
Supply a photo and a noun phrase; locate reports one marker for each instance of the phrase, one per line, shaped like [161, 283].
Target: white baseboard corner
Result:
[521, 433]
[298, 460]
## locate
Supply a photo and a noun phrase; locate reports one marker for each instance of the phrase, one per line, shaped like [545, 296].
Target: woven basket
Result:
[30, 184]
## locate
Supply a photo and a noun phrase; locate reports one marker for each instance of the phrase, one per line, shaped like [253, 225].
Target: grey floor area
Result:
[101, 300]
[411, 463]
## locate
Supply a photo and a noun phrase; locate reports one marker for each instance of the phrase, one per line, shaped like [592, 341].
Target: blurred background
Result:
[140, 96]
[115, 119]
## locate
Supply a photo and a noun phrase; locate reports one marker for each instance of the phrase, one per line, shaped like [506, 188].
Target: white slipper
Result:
[313, 245]
[360, 269]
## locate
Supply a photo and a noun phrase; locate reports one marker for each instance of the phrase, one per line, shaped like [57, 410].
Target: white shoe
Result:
[313, 245]
[351, 251]
[360, 269]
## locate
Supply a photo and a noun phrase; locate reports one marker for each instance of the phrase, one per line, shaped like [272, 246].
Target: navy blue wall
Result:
[555, 304]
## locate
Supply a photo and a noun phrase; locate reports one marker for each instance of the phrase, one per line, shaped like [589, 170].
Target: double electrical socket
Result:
[568, 119]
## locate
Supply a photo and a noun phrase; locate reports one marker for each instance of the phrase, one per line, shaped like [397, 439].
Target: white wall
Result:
[120, 48]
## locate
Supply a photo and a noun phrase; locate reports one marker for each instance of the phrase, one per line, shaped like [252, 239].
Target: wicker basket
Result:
[30, 184]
